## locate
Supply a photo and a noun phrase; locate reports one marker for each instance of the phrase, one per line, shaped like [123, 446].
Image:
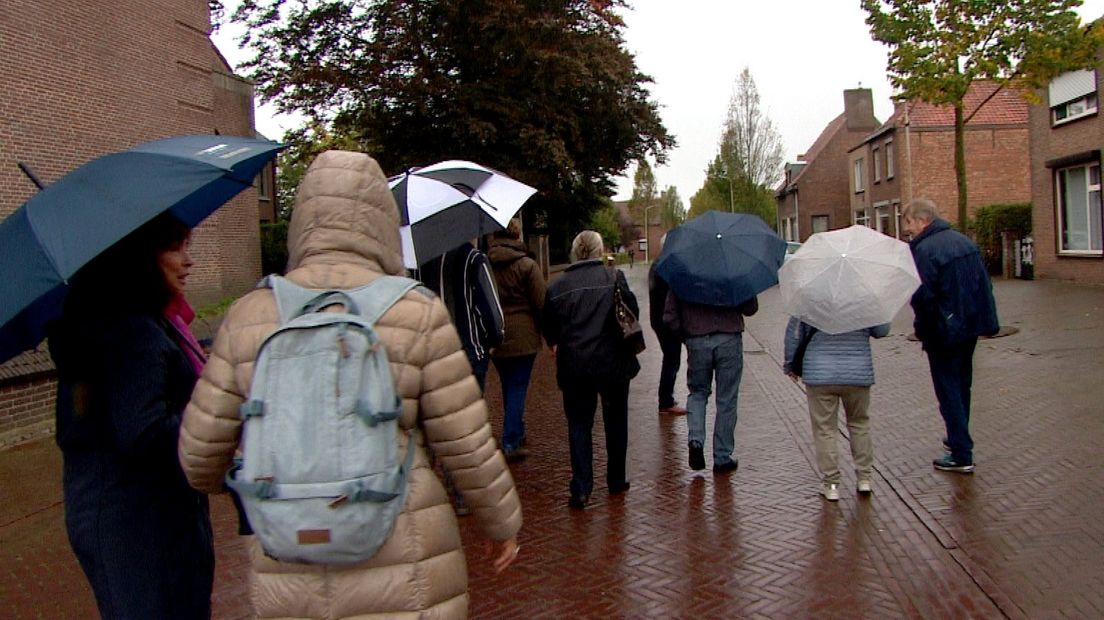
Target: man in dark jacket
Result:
[714, 345]
[953, 306]
[669, 343]
[463, 280]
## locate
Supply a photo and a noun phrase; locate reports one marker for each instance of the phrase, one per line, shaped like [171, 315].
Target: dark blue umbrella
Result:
[70, 222]
[721, 259]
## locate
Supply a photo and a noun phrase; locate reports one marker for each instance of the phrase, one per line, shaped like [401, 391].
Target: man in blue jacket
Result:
[953, 306]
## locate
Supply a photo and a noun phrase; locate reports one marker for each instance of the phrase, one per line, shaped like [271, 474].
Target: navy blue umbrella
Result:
[721, 259]
[67, 224]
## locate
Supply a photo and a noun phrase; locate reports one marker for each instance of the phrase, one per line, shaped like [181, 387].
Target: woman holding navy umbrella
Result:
[127, 363]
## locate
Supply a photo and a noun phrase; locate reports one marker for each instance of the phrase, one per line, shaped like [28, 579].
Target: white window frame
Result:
[1060, 209]
[877, 165]
[897, 219]
[889, 158]
[859, 187]
[861, 217]
[881, 214]
[1074, 110]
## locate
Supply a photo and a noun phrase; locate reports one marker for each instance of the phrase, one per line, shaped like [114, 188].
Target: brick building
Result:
[84, 78]
[1066, 138]
[814, 194]
[912, 155]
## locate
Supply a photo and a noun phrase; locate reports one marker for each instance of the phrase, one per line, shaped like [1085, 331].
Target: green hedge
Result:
[274, 253]
[991, 221]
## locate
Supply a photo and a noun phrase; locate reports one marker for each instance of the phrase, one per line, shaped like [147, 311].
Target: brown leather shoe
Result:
[673, 410]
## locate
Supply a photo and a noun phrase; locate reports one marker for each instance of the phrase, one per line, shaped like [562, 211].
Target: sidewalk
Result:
[1021, 538]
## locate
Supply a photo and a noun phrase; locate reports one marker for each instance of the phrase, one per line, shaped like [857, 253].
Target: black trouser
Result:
[671, 345]
[580, 404]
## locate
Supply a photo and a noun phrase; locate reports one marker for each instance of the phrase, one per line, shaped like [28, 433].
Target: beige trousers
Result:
[824, 401]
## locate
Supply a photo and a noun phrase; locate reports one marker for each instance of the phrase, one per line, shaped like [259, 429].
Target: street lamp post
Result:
[647, 240]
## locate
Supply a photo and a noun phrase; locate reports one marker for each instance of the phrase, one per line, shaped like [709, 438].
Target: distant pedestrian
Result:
[521, 290]
[837, 368]
[591, 362]
[953, 307]
[669, 342]
[714, 346]
[462, 279]
[127, 362]
[632, 256]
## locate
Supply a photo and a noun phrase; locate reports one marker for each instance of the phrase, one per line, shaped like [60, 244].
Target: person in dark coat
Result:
[462, 279]
[521, 290]
[592, 361]
[953, 307]
[669, 342]
[127, 363]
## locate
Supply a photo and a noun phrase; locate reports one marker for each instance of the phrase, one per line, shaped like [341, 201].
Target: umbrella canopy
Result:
[848, 279]
[443, 205]
[721, 259]
[67, 224]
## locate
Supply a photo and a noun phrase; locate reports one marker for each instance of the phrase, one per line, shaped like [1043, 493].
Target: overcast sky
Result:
[802, 54]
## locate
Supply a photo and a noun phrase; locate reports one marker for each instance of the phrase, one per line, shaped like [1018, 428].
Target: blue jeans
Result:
[722, 354]
[952, 371]
[514, 373]
[671, 345]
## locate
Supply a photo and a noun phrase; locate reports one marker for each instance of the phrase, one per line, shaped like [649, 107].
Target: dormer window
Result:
[1072, 96]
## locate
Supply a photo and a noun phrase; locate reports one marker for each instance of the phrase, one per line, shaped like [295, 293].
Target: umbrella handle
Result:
[30, 175]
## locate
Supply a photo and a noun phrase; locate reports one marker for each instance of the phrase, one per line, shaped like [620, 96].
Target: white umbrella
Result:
[848, 279]
[499, 195]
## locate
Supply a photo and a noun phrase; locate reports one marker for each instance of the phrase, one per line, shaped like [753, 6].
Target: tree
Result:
[645, 195]
[939, 48]
[545, 92]
[604, 221]
[721, 193]
[751, 148]
[671, 212]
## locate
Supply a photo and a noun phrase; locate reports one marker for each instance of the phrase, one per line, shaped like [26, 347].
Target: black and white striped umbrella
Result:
[446, 204]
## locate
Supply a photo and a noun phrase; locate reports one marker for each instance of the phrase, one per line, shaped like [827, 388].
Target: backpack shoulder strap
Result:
[376, 297]
[290, 297]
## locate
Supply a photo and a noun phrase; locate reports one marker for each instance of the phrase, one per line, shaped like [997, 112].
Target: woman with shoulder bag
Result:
[592, 361]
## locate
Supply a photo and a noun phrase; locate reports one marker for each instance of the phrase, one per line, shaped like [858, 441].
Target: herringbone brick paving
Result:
[1020, 538]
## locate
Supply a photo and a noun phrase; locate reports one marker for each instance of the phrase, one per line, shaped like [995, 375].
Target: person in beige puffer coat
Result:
[344, 233]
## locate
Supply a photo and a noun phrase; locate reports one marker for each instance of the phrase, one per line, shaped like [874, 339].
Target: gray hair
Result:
[587, 245]
[922, 209]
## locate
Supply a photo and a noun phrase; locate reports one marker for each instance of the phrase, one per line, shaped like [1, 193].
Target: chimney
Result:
[858, 106]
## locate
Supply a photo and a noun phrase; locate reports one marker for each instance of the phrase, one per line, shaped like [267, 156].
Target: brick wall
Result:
[824, 187]
[26, 410]
[1049, 144]
[85, 77]
[996, 167]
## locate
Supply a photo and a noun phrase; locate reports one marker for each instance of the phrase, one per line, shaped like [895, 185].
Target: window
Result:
[877, 166]
[859, 176]
[898, 222]
[788, 229]
[1078, 190]
[1072, 110]
[1072, 95]
[862, 218]
[820, 223]
[881, 218]
[264, 192]
[889, 158]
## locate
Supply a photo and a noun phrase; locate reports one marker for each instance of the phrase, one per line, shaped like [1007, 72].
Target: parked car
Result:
[791, 247]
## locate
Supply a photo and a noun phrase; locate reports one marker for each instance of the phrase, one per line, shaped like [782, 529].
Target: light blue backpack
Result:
[319, 475]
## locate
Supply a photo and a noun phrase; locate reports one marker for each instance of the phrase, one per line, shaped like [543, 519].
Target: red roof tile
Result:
[1007, 107]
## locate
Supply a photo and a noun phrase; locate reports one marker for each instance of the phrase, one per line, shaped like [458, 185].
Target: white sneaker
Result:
[830, 491]
[865, 487]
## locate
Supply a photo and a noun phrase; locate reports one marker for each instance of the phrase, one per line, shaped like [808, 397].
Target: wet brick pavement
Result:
[1022, 538]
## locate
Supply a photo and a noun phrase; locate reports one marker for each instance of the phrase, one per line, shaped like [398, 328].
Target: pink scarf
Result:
[180, 315]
